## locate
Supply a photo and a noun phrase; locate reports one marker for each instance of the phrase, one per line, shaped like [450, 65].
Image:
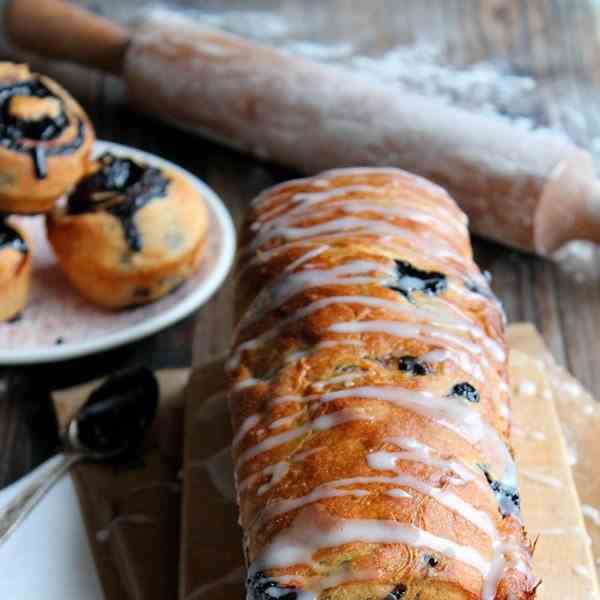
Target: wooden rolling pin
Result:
[530, 190]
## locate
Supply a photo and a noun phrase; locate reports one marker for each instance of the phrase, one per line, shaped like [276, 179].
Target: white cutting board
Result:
[48, 557]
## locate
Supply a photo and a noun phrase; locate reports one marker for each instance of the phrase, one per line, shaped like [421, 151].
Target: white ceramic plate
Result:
[59, 324]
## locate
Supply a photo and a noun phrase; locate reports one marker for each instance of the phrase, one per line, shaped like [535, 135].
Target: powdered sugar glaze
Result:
[369, 397]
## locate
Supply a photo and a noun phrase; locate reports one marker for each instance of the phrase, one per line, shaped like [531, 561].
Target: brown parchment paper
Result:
[211, 555]
[132, 514]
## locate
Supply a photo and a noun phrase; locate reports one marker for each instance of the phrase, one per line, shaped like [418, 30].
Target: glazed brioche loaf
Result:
[370, 401]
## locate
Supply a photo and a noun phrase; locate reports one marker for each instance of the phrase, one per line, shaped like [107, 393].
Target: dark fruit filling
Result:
[507, 496]
[262, 587]
[25, 135]
[120, 187]
[397, 593]
[11, 238]
[410, 364]
[431, 561]
[465, 390]
[410, 280]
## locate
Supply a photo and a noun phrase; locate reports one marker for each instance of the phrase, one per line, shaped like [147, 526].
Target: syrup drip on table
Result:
[10, 238]
[120, 187]
[31, 136]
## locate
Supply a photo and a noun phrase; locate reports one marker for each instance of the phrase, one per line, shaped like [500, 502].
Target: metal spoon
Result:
[112, 423]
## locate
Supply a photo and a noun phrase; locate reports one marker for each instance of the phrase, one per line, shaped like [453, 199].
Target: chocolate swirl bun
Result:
[129, 233]
[15, 271]
[45, 141]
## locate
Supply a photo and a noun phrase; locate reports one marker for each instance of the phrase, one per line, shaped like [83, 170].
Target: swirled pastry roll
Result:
[370, 401]
[45, 140]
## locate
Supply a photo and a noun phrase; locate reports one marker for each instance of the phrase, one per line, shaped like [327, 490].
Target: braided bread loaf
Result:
[369, 399]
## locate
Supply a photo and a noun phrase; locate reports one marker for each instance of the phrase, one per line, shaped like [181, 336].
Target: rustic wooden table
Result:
[554, 40]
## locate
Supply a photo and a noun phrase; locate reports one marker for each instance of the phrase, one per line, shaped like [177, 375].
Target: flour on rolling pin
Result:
[531, 189]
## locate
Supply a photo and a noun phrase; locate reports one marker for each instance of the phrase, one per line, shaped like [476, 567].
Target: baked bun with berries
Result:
[45, 140]
[129, 233]
[15, 270]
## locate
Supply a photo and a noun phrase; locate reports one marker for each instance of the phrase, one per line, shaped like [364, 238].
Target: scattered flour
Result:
[592, 513]
[541, 478]
[582, 571]
[527, 388]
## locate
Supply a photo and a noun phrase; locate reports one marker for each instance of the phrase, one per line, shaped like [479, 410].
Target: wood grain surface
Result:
[554, 40]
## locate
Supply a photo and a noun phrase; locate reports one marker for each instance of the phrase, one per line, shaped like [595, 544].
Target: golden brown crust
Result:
[22, 190]
[15, 275]
[93, 251]
[369, 398]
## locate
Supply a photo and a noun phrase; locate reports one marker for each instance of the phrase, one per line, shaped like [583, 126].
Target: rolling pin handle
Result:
[57, 29]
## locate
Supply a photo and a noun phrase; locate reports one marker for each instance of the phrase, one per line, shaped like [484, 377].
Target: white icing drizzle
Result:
[582, 571]
[272, 333]
[277, 471]
[281, 213]
[562, 531]
[416, 451]
[305, 258]
[542, 479]
[592, 513]
[427, 333]
[300, 456]
[348, 377]
[319, 493]
[433, 326]
[264, 256]
[248, 424]
[397, 493]
[460, 359]
[352, 226]
[538, 436]
[506, 555]
[290, 398]
[289, 284]
[455, 416]
[306, 201]
[246, 383]
[319, 424]
[527, 388]
[395, 174]
[285, 421]
[296, 356]
[311, 532]
[480, 519]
